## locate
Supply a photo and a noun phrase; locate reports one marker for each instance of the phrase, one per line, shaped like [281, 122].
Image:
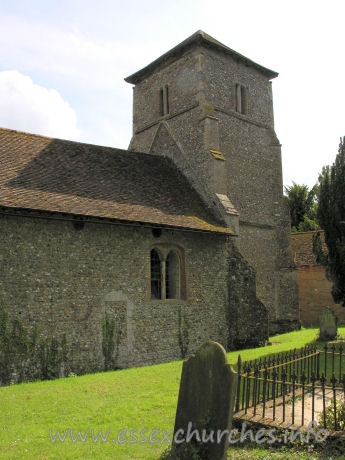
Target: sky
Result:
[63, 64]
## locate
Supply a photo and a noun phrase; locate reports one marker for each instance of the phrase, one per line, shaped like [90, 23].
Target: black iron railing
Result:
[289, 379]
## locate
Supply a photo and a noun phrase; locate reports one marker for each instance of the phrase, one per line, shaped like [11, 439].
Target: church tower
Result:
[210, 109]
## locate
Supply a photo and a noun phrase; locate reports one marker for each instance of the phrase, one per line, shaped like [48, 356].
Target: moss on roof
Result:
[54, 175]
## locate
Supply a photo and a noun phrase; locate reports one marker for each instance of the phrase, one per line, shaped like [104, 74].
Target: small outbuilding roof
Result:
[59, 176]
[198, 38]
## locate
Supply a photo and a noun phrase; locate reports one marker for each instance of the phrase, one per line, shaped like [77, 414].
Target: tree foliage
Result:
[331, 215]
[303, 207]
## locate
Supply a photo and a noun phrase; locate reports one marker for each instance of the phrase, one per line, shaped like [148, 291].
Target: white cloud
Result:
[70, 55]
[27, 106]
[74, 47]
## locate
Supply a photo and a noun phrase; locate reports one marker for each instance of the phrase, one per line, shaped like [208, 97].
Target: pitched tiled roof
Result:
[197, 39]
[302, 247]
[45, 174]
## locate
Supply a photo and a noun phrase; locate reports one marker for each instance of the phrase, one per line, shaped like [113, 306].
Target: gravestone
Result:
[205, 404]
[328, 324]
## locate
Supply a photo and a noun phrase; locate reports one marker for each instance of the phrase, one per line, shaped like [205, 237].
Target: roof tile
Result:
[46, 174]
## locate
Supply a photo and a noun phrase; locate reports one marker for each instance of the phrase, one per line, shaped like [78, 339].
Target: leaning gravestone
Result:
[328, 324]
[205, 405]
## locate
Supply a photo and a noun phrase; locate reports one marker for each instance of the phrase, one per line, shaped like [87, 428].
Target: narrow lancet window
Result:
[172, 276]
[164, 101]
[161, 102]
[241, 99]
[238, 99]
[156, 275]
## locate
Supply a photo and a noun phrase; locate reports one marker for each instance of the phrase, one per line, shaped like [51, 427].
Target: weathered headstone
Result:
[205, 405]
[328, 324]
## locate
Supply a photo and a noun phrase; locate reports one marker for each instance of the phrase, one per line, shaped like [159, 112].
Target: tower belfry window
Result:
[164, 101]
[161, 102]
[241, 99]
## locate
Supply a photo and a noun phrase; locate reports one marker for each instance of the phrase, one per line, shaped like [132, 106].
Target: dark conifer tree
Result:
[331, 215]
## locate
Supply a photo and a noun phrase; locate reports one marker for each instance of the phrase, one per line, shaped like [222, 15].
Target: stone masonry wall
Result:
[183, 78]
[221, 74]
[202, 83]
[248, 317]
[64, 280]
[254, 184]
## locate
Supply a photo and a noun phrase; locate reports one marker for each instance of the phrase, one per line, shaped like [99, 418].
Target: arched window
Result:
[156, 275]
[166, 273]
[172, 276]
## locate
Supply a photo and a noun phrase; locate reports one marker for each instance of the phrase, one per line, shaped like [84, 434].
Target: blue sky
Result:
[62, 65]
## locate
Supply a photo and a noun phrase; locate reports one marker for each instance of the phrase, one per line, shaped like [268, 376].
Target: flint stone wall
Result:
[64, 280]
[201, 83]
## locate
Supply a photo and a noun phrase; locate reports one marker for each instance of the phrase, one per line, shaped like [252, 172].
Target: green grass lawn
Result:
[138, 398]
